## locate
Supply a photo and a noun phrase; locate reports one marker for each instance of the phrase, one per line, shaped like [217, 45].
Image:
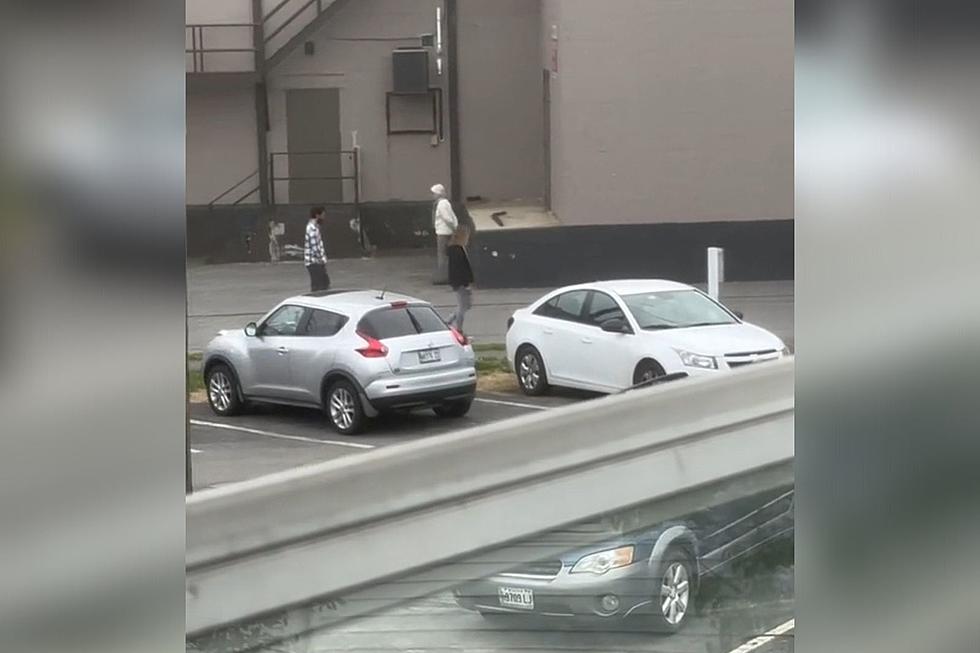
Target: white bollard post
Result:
[716, 271]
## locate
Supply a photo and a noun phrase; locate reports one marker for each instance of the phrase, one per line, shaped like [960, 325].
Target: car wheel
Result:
[455, 409]
[674, 601]
[344, 408]
[224, 395]
[531, 375]
[647, 371]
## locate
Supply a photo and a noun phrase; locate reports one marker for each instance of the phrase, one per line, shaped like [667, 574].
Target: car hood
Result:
[717, 340]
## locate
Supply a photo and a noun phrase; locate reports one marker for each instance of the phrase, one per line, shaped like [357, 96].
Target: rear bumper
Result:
[420, 398]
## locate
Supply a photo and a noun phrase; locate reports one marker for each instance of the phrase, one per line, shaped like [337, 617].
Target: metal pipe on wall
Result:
[452, 33]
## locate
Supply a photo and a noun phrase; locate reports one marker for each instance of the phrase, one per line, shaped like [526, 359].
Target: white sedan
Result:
[612, 335]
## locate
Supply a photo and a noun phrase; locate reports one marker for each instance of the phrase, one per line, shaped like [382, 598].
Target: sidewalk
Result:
[229, 296]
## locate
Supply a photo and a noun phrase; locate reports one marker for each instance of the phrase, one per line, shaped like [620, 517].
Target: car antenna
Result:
[381, 296]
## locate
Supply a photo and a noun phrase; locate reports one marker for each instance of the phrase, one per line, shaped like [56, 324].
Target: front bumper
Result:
[568, 595]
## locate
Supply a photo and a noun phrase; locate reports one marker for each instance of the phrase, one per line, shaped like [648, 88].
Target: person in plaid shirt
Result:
[314, 255]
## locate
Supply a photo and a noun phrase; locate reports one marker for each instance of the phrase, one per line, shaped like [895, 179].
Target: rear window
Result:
[427, 320]
[398, 322]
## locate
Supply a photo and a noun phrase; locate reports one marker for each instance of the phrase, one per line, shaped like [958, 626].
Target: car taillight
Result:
[460, 338]
[510, 322]
[374, 349]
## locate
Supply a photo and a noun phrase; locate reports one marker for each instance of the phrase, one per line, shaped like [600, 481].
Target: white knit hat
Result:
[439, 189]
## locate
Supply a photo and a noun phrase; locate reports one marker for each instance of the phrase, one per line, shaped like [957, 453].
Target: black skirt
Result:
[460, 272]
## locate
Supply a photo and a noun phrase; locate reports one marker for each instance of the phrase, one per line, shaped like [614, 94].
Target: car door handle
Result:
[587, 341]
[282, 350]
[548, 332]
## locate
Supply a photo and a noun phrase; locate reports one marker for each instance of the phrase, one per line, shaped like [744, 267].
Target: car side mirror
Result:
[251, 330]
[739, 315]
[615, 325]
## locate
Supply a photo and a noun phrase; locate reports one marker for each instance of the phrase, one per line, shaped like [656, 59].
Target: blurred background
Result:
[887, 323]
[92, 372]
[92, 343]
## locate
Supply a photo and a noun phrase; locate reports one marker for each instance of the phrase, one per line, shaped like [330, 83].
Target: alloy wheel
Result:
[530, 371]
[675, 592]
[342, 408]
[220, 391]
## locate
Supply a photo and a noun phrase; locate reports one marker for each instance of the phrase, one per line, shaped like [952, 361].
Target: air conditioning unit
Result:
[410, 70]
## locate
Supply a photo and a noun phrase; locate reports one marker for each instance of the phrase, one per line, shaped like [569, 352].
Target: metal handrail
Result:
[197, 48]
[288, 21]
[354, 176]
[275, 10]
[246, 195]
[220, 25]
[229, 191]
[670, 443]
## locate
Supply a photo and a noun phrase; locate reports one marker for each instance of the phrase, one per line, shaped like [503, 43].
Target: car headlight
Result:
[600, 563]
[690, 359]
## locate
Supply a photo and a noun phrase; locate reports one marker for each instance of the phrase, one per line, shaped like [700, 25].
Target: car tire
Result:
[454, 409]
[223, 391]
[646, 371]
[531, 375]
[673, 599]
[342, 405]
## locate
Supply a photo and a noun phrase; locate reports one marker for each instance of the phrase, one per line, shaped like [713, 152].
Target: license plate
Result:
[429, 356]
[516, 597]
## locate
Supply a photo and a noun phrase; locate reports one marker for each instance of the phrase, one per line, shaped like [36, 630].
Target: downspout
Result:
[452, 31]
[261, 102]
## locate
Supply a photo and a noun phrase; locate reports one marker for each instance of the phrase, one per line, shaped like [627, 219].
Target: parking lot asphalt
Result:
[269, 439]
[756, 620]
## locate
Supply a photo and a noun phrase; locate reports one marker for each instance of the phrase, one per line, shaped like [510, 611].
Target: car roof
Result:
[631, 286]
[351, 301]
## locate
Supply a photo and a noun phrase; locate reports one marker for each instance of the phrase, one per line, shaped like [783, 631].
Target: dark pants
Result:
[318, 277]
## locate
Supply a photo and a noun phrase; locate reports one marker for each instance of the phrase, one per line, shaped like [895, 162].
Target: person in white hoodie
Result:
[445, 222]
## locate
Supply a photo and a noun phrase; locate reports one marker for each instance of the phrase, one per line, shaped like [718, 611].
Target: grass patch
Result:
[492, 365]
[502, 382]
[195, 356]
[488, 347]
[195, 380]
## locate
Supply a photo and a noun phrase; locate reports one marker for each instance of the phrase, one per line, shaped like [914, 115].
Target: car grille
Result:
[545, 569]
[739, 359]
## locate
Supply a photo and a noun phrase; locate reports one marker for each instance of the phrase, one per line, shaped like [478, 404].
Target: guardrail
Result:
[354, 535]
[232, 39]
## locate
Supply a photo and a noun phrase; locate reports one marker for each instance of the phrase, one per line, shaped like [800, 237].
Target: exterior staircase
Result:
[247, 37]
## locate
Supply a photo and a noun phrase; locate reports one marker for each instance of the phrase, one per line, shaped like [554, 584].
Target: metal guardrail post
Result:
[716, 271]
[356, 154]
[272, 179]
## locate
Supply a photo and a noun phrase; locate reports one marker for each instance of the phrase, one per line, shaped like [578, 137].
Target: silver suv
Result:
[354, 354]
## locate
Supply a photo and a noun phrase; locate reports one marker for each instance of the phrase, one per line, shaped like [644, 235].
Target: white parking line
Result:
[762, 640]
[280, 436]
[195, 451]
[514, 404]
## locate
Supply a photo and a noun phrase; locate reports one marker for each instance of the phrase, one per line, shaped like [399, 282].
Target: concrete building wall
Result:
[500, 99]
[221, 148]
[395, 167]
[666, 111]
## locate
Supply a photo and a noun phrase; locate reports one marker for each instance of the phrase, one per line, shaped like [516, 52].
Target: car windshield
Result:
[675, 309]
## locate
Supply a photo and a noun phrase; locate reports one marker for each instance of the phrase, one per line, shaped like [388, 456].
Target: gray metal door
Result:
[313, 125]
